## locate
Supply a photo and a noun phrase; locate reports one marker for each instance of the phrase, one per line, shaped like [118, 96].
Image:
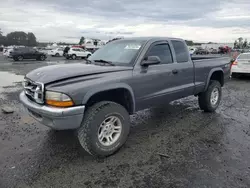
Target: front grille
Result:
[34, 91]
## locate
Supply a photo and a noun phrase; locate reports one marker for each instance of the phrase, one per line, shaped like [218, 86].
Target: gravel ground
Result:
[175, 145]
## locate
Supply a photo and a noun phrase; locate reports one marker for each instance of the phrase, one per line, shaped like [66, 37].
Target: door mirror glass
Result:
[151, 60]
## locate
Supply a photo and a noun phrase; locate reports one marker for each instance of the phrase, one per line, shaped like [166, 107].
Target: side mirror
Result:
[151, 60]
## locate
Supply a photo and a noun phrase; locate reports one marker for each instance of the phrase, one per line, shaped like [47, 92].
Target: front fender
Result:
[94, 91]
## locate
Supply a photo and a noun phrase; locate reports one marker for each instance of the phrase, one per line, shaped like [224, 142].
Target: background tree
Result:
[240, 42]
[17, 38]
[31, 39]
[82, 41]
[189, 42]
[236, 45]
[245, 44]
[2, 38]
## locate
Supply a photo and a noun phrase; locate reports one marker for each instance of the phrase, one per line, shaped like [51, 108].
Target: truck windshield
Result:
[120, 52]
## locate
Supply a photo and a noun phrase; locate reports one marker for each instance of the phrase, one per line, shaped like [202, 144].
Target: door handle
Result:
[174, 71]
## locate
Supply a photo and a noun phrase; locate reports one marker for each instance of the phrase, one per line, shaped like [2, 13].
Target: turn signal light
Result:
[63, 104]
[235, 63]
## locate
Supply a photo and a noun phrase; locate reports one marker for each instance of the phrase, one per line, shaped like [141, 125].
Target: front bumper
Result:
[55, 118]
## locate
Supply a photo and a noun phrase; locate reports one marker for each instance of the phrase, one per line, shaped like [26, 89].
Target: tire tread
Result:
[85, 127]
[204, 97]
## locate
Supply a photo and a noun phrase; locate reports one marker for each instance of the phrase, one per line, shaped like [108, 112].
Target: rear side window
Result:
[180, 51]
[163, 52]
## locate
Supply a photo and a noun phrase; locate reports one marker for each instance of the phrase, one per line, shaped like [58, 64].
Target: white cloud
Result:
[221, 21]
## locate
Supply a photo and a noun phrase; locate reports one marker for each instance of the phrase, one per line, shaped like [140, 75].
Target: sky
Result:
[68, 20]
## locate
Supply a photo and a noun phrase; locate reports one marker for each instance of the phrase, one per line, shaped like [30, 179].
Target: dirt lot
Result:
[176, 145]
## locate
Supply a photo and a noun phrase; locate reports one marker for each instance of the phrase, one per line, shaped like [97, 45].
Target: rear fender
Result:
[210, 74]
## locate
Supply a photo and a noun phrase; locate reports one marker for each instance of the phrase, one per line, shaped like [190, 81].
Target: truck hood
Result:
[54, 73]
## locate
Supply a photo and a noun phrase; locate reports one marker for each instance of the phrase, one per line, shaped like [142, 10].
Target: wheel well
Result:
[120, 96]
[218, 75]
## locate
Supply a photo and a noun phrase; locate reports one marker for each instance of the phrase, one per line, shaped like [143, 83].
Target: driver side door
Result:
[154, 84]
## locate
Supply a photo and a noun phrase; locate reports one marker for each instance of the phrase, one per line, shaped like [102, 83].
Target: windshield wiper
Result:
[104, 61]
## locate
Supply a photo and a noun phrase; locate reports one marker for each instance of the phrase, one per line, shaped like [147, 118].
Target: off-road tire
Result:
[204, 98]
[88, 132]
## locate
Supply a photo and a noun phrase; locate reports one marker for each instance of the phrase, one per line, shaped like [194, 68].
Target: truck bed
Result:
[201, 57]
[203, 66]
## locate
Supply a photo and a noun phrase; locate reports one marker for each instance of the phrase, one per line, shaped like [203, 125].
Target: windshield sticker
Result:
[133, 47]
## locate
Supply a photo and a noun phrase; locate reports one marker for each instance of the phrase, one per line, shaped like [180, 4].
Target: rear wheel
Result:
[73, 56]
[42, 57]
[57, 54]
[20, 58]
[210, 99]
[104, 129]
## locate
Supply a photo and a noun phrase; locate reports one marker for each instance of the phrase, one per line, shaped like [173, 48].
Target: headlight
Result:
[25, 83]
[58, 99]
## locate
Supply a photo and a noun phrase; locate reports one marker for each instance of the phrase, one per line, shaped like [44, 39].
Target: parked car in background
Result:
[6, 51]
[214, 51]
[65, 51]
[241, 65]
[192, 51]
[56, 52]
[201, 51]
[75, 53]
[45, 50]
[18, 54]
[41, 49]
[224, 50]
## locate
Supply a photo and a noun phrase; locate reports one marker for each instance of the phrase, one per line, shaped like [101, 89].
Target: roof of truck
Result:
[151, 38]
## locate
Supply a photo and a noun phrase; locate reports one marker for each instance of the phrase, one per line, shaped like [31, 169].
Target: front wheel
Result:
[210, 99]
[42, 57]
[104, 129]
[88, 56]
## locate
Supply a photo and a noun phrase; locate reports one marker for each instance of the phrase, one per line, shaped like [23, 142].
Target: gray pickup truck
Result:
[96, 97]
